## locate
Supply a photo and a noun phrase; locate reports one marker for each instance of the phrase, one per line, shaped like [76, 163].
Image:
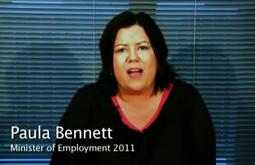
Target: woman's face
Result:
[134, 61]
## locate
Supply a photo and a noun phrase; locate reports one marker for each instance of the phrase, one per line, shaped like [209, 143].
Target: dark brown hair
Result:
[164, 74]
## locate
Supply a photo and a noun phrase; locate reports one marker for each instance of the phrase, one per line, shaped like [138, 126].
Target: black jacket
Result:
[182, 134]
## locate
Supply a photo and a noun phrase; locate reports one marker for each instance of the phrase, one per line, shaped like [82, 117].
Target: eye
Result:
[120, 50]
[143, 47]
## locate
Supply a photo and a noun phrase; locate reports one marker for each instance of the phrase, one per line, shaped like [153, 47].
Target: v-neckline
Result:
[152, 119]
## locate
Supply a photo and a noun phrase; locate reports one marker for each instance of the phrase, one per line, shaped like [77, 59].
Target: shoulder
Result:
[86, 90]
[184, 89]
[90, 91]
[197, 123]
[83, 98]
[188, 98]
[78, 108]
[82, 95]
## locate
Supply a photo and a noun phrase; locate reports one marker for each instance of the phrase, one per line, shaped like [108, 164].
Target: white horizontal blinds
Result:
[176, 20]
[225, 74]
[48, 49]
[212, 46]
[143, 6]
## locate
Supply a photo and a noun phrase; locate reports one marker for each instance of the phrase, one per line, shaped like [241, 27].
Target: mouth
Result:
[135, 72]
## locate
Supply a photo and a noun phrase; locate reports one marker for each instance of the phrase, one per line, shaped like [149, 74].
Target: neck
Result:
[135, 96]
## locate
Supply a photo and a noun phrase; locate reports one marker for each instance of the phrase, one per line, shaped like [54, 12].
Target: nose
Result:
[132, 56]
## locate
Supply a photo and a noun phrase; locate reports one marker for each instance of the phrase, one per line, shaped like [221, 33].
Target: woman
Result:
[154, 118]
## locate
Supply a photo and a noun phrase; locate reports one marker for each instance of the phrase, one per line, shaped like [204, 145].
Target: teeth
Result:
[135, 70]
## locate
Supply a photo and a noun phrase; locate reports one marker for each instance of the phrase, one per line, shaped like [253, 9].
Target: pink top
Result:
[124, 119]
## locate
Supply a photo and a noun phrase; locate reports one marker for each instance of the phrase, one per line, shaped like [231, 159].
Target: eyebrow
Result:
[120, 45]
[138, 43]
[143, 42]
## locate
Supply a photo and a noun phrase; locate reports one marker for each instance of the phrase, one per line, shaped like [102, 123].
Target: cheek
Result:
[150, 60]
[154, 66]
[119, 59]
[154, 62]
[151, 66]
[118, 65]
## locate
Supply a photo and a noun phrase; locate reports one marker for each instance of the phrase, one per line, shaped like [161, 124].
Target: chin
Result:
[136, 87]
